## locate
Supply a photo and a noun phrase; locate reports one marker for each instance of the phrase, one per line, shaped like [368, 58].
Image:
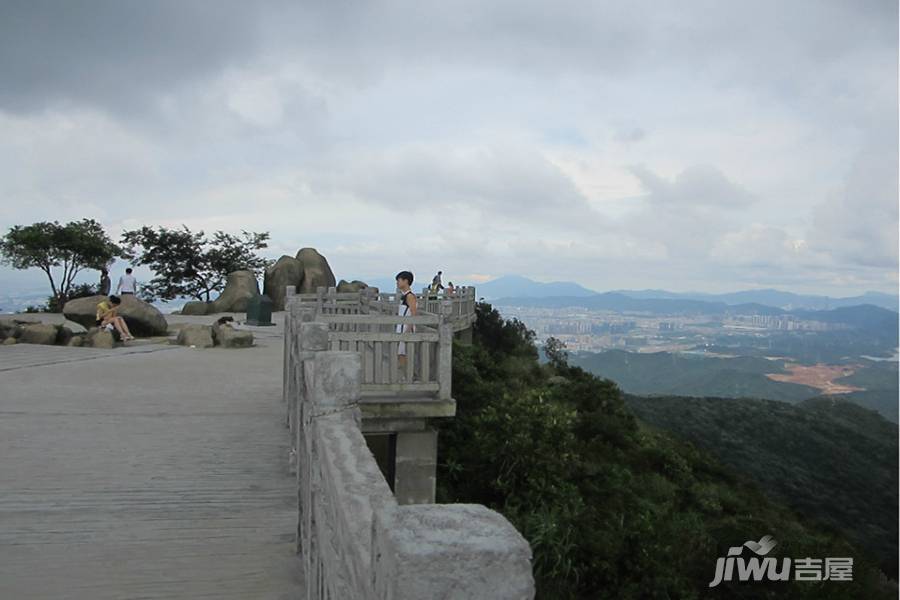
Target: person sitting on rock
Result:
[108, 318]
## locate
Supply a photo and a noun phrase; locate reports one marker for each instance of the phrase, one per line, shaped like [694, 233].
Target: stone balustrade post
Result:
[288, 335]
[445, 351]
[294, 388]
[449, 551]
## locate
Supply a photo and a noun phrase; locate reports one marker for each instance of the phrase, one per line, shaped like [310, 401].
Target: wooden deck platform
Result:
[158, 473]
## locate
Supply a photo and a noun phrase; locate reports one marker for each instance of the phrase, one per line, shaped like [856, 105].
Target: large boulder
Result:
[39, 333]
[240, 287]
[197, 307]
[228, 337]
[99, 338]
[287, 271]
[307, 272]
[10, 329]
[351, 286]
[199, 336]
[10, 341]
[142, 318]
[74, 327]
[316, 272]
[64, 335]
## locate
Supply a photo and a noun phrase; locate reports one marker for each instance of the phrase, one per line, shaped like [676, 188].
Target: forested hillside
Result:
[831, 461]
[612, 508]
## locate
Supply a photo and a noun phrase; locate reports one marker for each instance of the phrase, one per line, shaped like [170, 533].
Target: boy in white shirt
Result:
[127, 283]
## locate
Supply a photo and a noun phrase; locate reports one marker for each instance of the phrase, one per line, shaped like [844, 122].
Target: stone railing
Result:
[460, 315]
[355, 539]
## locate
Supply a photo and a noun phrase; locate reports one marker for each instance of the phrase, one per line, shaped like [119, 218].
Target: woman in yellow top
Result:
[108, 318]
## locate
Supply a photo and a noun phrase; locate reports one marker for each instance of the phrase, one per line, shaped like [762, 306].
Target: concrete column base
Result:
[415, 467]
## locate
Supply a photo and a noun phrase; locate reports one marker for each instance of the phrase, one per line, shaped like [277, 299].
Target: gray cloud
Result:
[496, 184]
[697, 185]
[501, 132]
[858, 223]
[112, 54]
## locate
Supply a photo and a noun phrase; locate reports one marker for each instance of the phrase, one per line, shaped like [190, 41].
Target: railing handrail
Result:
[379, 319]
[457, 308]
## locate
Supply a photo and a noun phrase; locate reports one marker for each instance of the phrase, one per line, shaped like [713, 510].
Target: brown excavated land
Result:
[818, 376]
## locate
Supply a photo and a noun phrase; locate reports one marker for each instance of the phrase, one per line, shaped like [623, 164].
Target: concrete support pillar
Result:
[415, 467]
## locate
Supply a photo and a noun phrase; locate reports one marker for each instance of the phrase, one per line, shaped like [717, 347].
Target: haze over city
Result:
[690, 146]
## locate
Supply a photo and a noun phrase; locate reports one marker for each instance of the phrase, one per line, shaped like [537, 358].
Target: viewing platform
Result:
[163, 471]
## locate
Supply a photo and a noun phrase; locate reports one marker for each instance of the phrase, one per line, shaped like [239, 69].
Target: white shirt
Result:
[127, 283]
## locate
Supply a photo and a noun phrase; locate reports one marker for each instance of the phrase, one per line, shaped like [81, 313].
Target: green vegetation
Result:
[668, 374]
[612, 508]
[811, 347]
[692, 375]
[830, 460]
[81, 290]
[60, 251]
[882, 391]
[188, 264]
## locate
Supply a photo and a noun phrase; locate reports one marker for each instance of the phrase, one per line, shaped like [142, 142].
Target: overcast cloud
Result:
[698, 145]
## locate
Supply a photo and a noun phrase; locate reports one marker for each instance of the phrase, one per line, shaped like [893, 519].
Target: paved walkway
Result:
[158, 472]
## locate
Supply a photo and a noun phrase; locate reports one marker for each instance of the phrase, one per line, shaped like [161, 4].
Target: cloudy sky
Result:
[694, 145]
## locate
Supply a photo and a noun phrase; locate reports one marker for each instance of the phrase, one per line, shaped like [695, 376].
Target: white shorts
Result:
[109, 327]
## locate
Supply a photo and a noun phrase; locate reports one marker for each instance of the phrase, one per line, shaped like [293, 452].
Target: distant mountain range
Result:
[864, 317]
[515, 286]
[778, 298]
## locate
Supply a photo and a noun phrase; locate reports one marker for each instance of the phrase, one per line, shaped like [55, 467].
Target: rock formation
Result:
[240, 287]
[196, 307]
[39, 333]
[228, 337]
[308, 271]
[199, 336]
[219, 334]
[286, 271]
[351, 286]
[316, 272]
[99, 338]
[10, 329]
[142, 318]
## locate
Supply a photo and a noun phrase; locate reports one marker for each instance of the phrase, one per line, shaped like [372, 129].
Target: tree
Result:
[74, 247]
[555, 350]
[612, 508]
[189, 264]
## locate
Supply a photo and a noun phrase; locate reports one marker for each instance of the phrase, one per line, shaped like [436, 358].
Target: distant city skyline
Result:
[709, 147]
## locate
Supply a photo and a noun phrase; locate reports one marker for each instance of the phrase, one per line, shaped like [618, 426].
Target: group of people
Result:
[437, 285]
[127, 283]
[107, 316]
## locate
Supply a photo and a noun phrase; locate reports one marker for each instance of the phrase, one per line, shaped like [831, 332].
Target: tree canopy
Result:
[611, 507]
[190, 264]
[72, 247]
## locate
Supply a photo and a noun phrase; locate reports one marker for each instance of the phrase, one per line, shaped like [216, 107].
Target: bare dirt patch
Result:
[818, 376]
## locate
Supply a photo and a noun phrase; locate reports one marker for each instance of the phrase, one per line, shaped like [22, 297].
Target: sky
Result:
[691, 146]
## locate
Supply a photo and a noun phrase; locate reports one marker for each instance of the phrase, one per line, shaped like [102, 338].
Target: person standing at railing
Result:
[408, 307]
[448, 291]
[436, 284]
